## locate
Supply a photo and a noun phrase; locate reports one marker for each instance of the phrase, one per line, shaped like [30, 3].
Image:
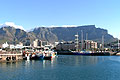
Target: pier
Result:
[10, 56]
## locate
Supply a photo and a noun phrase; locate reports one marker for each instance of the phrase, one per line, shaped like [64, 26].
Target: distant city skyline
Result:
[40, 13]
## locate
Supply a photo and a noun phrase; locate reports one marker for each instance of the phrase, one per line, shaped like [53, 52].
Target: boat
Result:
[82, 53]
[26, 55]
[118, 54]
[45, 54]
[35, 55]
[48, 54]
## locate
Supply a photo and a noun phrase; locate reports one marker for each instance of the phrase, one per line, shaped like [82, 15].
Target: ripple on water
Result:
[65, 67]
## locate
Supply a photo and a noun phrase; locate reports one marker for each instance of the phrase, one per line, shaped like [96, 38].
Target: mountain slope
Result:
[13, 35]
[68, 33]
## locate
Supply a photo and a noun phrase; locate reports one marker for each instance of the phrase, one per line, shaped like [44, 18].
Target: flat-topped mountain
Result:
[52, 34]
[68, 33]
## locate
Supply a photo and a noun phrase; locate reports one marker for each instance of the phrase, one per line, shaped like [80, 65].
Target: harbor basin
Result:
[63, 67]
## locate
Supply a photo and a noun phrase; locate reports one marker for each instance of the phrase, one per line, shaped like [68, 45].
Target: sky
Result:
[34, 13]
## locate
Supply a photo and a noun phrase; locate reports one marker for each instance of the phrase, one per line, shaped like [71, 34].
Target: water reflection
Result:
[10, 64]
[65, 67]
[27, 63]
[81, 60]
[51, 63]
[61, 60]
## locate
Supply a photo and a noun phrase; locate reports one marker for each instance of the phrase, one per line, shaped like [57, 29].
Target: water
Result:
[65, 67]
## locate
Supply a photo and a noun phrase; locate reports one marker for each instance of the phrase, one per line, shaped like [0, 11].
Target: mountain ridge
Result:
[52, 34]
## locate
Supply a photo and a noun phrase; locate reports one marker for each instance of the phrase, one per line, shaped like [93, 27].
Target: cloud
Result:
[69, 25]
[59, 26]
[53, 26]
[12, 24]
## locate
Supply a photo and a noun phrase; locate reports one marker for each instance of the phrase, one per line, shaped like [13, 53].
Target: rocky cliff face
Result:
[11, 34]
[68, 33]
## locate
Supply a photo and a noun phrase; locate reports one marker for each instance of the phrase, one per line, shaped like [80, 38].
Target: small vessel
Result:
[35, 55]
[118, 54]
[42, 54]
[26, 55]
[82, 53]
[48, 54]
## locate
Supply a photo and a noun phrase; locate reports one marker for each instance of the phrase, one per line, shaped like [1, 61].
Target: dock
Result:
[10, 56]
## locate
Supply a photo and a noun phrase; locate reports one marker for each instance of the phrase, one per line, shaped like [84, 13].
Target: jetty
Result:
[10, 55]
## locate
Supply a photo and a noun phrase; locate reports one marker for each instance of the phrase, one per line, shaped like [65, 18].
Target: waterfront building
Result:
[39, 43]
[56, 43]
[35, 43]
[90, 44]
[65, 46]
[17, 46]
[27, 42]
[20, 43]
[44, 43]
[50, 46]
[12, 46]
[115, 46]
[70, 45]
[5, 45]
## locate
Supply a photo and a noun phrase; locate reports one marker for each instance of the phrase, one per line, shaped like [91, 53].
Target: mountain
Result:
[13, 35]
[52, 34]
[68, 33]
[43, 33]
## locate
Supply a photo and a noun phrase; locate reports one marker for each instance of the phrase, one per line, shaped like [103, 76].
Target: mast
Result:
[118, 43]
[103, 42]
[81, 40]
[86, 40]
[77, 42]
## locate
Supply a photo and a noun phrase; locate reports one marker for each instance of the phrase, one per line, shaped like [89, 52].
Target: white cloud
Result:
[12, 24]
[53, 26]
[0, 25]
[59, 26]
[69, 25]
[43, 26]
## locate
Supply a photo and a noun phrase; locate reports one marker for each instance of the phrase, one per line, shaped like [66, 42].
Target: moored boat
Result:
[48, 54]
[26, 55]
[82, 53]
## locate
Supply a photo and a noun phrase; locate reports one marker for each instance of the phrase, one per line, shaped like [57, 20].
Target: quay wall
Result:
[7, 56]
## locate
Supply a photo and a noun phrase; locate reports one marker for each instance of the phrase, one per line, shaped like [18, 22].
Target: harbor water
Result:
[63, 67]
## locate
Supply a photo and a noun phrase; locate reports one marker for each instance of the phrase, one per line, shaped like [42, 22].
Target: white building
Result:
[18, 46]
[5, 45]
[39, 43]
[87, 44]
